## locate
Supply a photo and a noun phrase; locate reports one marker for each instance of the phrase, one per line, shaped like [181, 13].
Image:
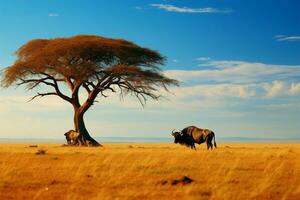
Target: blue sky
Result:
[238, 63]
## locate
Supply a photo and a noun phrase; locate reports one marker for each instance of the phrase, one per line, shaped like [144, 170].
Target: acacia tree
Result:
[98, 65]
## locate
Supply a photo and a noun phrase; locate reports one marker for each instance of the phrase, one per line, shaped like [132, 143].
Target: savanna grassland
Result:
[147, 171]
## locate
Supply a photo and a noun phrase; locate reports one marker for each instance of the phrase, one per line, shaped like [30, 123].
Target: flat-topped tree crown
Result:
[94, 63]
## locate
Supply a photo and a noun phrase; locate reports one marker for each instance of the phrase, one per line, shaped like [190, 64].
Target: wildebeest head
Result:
[183, 139]
[67, 134]
[72, 136]
[177, 136]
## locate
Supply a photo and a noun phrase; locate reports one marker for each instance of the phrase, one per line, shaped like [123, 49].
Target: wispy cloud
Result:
[203, 58]
[138, 7]
[231, 79]
[238, 72]
[295, 88]
[53, 15]
[214, 91]
[292, 38]
[172, 8]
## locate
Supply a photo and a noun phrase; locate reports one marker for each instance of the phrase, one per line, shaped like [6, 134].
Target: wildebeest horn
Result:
[173, 132]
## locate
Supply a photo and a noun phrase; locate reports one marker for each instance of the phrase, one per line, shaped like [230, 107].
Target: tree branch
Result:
[69, 83]
[139, 91]
[42, 95]
[86, 87]
[36, 82]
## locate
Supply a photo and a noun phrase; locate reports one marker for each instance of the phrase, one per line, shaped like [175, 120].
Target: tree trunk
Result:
[84, 137]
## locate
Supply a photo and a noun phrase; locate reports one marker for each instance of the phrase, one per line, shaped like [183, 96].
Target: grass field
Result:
[146, 171]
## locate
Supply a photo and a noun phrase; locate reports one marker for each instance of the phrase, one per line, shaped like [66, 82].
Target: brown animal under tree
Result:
[72, 137]
[98, 65]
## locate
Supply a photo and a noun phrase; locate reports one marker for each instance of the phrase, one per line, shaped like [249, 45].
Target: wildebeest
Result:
[72, 137]
[192, 134]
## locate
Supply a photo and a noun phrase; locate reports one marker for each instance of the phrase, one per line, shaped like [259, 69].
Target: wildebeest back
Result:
[196, 133]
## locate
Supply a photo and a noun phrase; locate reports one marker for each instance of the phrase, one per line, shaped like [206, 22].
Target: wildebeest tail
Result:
[214, 139]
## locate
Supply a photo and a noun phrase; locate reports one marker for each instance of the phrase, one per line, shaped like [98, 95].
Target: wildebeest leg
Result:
[68, 141]
[78, 142]
[81, 141]
[214, 137]
[211, 141]
[67, 137]
[208, 145]
[208, 142]
[74, 141]
[194, 147]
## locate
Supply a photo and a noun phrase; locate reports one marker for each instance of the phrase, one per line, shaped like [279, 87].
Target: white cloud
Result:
[293, 38]
[280, 88]
[275, 89]
[238, 72]
[203, 58]
[53, 15]
[206, 90]
[238, 79]
[295, 88]
[172, 8]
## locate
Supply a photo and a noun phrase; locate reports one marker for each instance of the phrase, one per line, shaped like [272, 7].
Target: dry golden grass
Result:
[136, 171]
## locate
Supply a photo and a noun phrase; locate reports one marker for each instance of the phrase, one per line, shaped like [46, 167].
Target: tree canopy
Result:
[95, 63]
